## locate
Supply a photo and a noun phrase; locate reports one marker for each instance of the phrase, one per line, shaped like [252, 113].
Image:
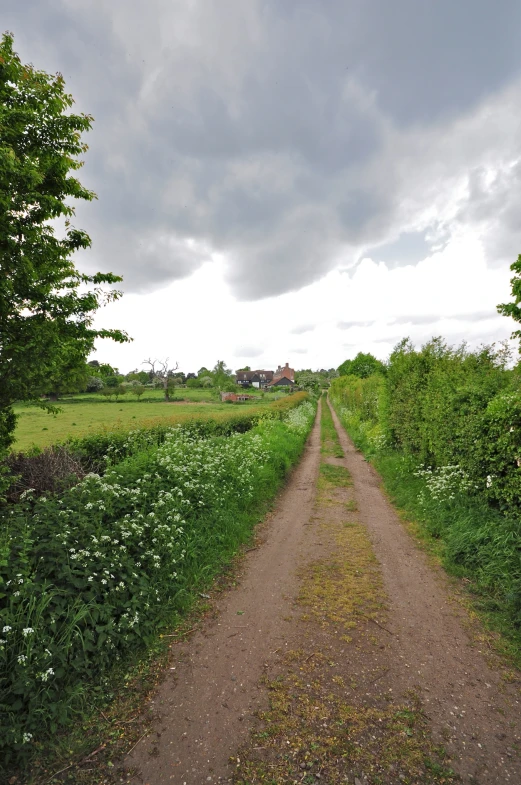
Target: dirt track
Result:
[407, 637]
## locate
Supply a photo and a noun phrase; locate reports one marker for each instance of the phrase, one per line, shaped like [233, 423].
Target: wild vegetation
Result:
[443, 426]
[91, 573]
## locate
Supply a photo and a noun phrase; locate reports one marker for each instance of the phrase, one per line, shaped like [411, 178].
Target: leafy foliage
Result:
[363, 365]
[513, 309]
[45, 312]
[94, 384]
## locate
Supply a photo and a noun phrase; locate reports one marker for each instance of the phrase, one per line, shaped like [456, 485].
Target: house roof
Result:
[258, 376]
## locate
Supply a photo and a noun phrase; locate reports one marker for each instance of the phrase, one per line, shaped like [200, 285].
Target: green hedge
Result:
[445, 407]
[443, 427]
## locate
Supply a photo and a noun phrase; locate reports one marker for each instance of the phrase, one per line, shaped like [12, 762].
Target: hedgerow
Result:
[89, 574]
[443, 426]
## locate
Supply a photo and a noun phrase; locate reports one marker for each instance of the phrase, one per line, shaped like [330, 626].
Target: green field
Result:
[88, 413]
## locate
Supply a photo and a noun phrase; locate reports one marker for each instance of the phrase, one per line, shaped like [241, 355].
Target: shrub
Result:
[94, 384]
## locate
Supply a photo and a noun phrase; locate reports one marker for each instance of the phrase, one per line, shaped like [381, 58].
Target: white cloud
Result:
[197, 320]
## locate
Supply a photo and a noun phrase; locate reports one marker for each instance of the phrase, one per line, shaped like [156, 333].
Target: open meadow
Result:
[89, 413]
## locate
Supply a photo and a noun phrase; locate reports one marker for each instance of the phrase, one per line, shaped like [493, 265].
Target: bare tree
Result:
[162, 373]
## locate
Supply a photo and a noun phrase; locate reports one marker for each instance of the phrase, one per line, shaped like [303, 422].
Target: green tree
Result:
[46, 311]
[363, 365]
[309, 381]
[102, 369]
[514, 309]
[119, 390]
[137, 390]
[141, 377]
[94, 384]
[222, 380]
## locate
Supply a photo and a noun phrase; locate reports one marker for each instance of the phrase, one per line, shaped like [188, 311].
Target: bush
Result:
[94, 452]
[444, 429]
[44, 471]
[94, 384]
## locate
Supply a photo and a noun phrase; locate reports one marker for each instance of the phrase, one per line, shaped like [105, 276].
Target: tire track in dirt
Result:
[205, 706]
[328, 665]
[472, 708]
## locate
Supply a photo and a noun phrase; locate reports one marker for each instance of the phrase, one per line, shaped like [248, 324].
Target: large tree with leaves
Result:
[46, 305]
[363, 365]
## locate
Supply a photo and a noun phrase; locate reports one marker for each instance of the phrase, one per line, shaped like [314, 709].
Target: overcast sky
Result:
[292, 180]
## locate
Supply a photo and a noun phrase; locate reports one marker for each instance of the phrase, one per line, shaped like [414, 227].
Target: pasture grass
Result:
[81, 416]
[178, 395]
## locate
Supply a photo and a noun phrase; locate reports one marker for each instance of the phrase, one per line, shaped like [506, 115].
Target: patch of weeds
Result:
[329, 438]
[314, 731]
[337, 476]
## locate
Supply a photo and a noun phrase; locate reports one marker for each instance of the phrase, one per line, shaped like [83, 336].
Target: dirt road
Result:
[339, 657]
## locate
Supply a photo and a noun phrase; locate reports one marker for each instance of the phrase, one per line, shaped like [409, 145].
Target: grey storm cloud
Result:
[290, 138]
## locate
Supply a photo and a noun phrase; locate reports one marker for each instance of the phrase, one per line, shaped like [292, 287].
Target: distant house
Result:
[258, 379]
[283, 377]
[244, 378]
[262, 378]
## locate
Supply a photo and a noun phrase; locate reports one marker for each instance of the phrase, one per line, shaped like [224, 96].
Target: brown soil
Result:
[341, 656]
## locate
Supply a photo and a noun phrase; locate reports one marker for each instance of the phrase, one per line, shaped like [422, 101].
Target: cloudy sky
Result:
[292, 180]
